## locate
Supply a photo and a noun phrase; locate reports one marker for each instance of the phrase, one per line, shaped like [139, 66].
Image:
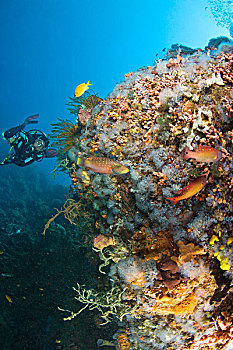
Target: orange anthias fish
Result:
[80, 89]
[102, 165]
[205, 154]
[191, 189]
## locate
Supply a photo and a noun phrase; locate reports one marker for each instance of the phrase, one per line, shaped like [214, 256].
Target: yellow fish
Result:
[102, 165]
[8, 298]
[191, 189]
[80, 89]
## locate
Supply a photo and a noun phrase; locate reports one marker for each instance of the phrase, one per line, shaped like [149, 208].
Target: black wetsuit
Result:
[22, 142]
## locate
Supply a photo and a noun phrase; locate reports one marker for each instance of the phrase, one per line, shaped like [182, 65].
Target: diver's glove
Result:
[32, 119]
[50, 153]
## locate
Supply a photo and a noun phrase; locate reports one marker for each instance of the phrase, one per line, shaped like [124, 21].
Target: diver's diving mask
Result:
[39, 144]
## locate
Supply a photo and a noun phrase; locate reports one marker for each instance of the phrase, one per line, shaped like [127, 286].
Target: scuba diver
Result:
[28, 146]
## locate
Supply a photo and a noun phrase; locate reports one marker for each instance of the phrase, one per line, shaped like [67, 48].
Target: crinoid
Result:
[64, 134]
[85, 102]
[91, 101]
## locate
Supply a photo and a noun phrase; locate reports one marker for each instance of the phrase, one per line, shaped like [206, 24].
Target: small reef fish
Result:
[205, 154]
[80, 89]
[8, 298]
[102, 165]
[191, 189]
[6, 275]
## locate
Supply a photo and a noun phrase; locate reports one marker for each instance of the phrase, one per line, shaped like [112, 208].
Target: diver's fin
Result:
[31, 119]
[51, 152]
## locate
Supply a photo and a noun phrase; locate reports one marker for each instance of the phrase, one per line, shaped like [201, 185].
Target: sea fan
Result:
[64, 134]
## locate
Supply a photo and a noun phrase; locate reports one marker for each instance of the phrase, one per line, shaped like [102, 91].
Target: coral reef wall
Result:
[164, 228]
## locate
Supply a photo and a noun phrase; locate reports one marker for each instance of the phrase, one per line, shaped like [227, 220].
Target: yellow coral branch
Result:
[71, 210]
